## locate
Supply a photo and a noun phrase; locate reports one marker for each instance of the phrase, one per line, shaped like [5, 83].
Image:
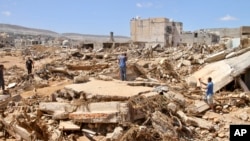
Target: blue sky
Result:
[103, 16]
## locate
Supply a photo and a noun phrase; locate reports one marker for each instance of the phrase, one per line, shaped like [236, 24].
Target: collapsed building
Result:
[161, 100]
[77, 95]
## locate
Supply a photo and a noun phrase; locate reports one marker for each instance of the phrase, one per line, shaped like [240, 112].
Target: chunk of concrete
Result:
[102, 112]
[216, 57]
[243, 116]
[116, 135]
[172, 107]
[52, 107]
[204, 124]
[201, 106]
[68, 125]
[176, 97]
[60, 115]
[161, 123]
[81, 78]
[182, 115]
[104, 78]
[186, 62]
[16, 130]
[95, 117]
[193, 121]
[178, 56]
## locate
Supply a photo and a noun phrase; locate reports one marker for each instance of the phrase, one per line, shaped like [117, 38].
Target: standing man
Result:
[29, 65]
[2, 78]
[209, 92]
[122, 64]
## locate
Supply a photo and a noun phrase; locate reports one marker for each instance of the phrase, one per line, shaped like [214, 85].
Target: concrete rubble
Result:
[161, 100]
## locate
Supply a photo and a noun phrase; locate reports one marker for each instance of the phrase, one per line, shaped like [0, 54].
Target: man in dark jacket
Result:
[29, 65]
[2, 78]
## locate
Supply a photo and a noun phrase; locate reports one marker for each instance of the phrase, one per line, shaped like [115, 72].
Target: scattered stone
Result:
[81, 78]
[243, 115]
[116, 135]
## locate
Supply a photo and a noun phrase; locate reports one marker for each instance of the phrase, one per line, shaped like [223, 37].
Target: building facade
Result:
[199, 38]
[156, 30]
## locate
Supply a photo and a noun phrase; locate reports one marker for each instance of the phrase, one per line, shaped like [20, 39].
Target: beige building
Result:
[245, 31]
[199, 38]
[6, 40]
[156, 30]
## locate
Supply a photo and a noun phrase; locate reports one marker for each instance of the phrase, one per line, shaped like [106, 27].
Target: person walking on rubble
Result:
[29, 65]
[122, 59]
[209, 92]
[2, 78]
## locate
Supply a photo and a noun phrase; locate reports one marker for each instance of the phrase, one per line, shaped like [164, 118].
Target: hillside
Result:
[25, 30]
[75, 36]
[100, 38]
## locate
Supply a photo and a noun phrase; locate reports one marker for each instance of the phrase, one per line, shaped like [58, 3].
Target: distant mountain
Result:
[25, 30]
[100, 38]
[75, 36]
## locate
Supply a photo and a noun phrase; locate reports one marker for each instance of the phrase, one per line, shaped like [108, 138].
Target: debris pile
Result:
[156, 103]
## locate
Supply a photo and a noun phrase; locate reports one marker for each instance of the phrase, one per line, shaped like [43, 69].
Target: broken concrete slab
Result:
[178, 55]
[4, 103]
[111, 88]
[101, 107]
[176, 97]
[222, 72]
[68, 125]
[60, 115]
[59, 70]
[216, 57]
[116, 135]
[53, 107]
[186, 62]
[15, 130]
[81, 78]
[147, 84]
[230, 55]
[160, 122]
[4, 97]
[200, 106]
[197, 122]
[89, 131]
[100, 112]
[104, 78]
[88, 67]
[97, 117]
[211, 115]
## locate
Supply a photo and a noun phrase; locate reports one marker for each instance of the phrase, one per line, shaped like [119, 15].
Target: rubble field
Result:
[76, 95]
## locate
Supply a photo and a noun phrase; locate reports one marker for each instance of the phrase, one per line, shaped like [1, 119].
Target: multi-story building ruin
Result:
[169, 33]
[199, 38]
[156, 30]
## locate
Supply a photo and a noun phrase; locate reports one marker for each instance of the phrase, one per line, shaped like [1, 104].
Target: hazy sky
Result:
[102, 16]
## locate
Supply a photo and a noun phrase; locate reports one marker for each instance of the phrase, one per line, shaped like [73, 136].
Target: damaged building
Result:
[76, 94]
[161, 31]
[199, 38]
[6, 40]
